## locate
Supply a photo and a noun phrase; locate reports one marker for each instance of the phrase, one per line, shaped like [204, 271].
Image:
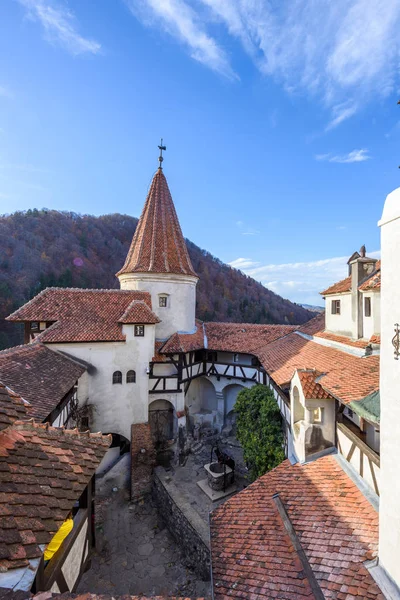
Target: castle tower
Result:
[158, 262]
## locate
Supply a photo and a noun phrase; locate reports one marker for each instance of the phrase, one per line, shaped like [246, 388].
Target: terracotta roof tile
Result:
[158, 245]
[39, 484]
[346, 377]
[40, 375]
[254, 557]
[185, 342]
[311, 388]
[80, 315]
[374, 281]
[338, 288]
[7, 594]
[139, 312]
[342, 339]
[12, 407]
[243, 337]
[314, 325]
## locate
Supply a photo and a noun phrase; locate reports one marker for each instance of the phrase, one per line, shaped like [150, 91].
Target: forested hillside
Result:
[41, 248]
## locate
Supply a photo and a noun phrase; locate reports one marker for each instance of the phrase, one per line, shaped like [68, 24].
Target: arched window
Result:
[131, 377]
[117, 377]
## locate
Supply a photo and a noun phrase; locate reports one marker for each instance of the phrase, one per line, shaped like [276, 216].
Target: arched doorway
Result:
[230, 394]
[163, 422]
[120, 445]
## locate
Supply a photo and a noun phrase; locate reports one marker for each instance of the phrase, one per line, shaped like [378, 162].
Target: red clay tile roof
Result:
[243, 337]
[80, 315]
[43, 471]
[139, 312]
[314, 325]
[12, 407]
[311, 388]
[338, 288]
[40, 375]
[374, 281]
[253, 556]
[346, 377]
[185, 342]
[158, 245]
[342, 339]
[7, 594]
[375, 339]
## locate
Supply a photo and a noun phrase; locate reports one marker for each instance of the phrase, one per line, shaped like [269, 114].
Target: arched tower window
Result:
[131, 377]
[117, 377]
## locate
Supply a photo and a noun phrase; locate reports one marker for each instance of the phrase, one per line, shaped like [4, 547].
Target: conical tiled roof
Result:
[158, 245]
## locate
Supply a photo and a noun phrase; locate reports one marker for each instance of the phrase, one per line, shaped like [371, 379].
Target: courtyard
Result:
[135, 552]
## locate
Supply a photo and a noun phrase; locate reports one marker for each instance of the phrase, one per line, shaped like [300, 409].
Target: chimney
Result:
[360, 267]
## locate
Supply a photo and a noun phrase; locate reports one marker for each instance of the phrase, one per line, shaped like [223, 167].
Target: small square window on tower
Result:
[139, 330]
[163, 301]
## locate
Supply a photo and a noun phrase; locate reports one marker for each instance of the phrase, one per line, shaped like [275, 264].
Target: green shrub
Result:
[259, 429]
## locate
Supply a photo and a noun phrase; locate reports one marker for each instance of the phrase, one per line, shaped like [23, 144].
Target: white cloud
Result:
[300, 282]
[59, 25]
[340, 113]
[342, 52]
[352, 157]
[181, 21]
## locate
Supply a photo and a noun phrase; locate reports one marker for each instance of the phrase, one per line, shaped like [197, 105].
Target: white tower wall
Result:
[389, 512]
[180, 293]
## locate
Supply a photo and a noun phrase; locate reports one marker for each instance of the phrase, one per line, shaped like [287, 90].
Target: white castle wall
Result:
[341, 324]
[179, 314]
[389, 514]
[116, 406]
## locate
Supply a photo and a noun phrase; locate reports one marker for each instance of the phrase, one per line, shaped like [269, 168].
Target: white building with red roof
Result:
[152, 368]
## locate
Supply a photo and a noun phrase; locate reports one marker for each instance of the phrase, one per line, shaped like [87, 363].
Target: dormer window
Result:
[335, 310]
[139, 330]
[367, 307]
[163, 301]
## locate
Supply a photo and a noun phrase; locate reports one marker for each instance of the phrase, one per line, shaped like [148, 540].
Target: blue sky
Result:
[280, 121]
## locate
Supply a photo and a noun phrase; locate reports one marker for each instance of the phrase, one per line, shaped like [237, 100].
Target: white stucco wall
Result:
[372, 324]
[389, 514]
[302, 409]
[179, 315]
[116, 406]
[340, 324]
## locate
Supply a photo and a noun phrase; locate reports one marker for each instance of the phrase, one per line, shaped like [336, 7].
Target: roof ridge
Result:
[32, 424]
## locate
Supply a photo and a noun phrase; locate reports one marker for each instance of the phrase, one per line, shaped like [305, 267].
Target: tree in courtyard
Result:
[259, 429]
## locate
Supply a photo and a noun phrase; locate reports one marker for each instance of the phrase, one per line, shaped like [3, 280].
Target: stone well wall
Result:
[184, 523]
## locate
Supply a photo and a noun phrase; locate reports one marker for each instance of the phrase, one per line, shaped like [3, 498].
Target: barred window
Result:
[117, 377]
[139, 330]
[131, 377]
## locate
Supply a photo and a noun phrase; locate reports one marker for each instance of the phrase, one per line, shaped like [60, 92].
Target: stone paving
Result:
[137, 555]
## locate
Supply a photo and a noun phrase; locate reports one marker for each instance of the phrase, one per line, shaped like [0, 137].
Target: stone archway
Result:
[163, 422]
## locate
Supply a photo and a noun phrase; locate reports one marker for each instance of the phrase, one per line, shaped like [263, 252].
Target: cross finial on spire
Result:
[160, 158]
